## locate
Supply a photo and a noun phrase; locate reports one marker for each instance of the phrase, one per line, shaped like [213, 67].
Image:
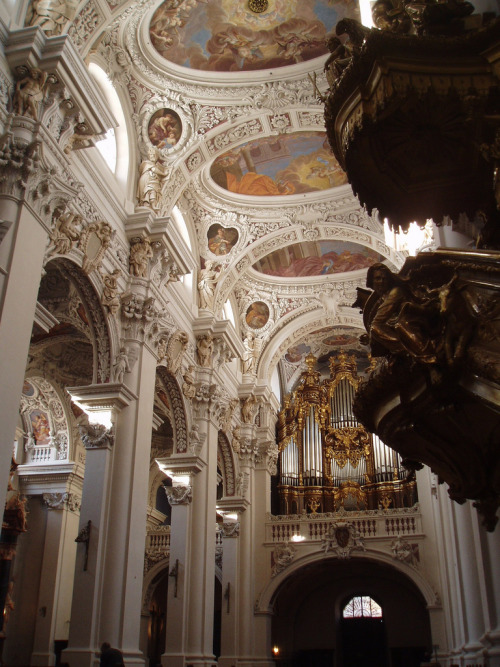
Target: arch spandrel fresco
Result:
[287, 164]
[226, 36]
[318, 258]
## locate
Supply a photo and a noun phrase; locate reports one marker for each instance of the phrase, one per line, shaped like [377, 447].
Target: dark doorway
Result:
[217, 618]
[363, 642]
[314, 658]
[157, 628]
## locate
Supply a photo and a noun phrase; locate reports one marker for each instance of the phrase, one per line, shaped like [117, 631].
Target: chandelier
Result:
[328, 460]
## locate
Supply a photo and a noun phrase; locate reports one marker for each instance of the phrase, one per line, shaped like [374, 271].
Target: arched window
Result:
[114, 147]
[362, 606]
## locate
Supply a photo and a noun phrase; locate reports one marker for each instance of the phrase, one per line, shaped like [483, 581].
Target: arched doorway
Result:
[308, 628]
[158, 620]
[363, 639]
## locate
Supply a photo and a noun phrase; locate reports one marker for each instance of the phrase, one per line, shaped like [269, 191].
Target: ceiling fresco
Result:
[284, 165]
[226, 36]
[317, 258]
[323, 344]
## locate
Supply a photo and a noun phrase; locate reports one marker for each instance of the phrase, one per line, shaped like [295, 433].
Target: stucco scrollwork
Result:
[176, 348]
[281, 557]
[342, 538]
[179, 416]
[94, 241]
[66, 231]
[405, 551]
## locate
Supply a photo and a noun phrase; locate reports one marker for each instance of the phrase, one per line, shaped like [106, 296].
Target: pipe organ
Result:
[327, 459]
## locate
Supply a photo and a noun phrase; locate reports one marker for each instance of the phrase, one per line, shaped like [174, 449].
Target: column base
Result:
[255, 662]
[40, 659]
[87, 657]
[181, 660]
[80, 657]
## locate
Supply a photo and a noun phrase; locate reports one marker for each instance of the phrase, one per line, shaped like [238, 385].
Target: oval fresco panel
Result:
[257, 315]
[226, 36]
[317, 259]
[164, 128]
[221, 240]
[288, 164]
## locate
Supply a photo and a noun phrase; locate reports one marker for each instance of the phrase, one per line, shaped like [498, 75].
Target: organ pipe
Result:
[327, 458]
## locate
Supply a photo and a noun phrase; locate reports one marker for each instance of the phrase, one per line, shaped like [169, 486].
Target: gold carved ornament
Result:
[349, 443]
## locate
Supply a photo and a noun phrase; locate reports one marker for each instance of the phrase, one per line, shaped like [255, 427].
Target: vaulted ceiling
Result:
[227, 97]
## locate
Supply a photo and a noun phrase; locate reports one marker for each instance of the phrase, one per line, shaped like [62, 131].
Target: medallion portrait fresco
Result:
[257, 315]
[221, 240]
[285, 165]
[317, 258]
[226, 36]
[164, 128]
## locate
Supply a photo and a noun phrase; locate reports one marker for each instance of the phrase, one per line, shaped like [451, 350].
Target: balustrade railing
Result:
[369, 524]
[159, 539]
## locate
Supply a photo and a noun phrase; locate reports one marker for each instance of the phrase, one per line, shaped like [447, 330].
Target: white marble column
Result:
[258, 647]
[179, 496]
[108, 582]
[21, 257]
[58, 564]
[491, 638]
[201, 563]
[189, 638]
[233, 509]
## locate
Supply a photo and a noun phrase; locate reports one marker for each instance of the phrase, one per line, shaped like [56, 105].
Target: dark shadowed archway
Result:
[308, 629]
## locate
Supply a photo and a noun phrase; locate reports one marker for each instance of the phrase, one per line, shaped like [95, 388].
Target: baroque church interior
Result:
[249, 334]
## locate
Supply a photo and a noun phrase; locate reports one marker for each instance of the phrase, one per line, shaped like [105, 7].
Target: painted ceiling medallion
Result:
[258, 6]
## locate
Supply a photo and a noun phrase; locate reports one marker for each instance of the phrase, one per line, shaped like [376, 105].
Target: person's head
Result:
[380, 278]
[105, 646]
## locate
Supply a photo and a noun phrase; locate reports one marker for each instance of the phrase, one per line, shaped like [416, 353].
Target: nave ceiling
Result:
[246, 161]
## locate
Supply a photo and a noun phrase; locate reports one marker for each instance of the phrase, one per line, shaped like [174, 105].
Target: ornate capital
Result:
[19, 161]
[61, 501]
[231, 529]
[96, 436]
[182, 494]
[141, 317]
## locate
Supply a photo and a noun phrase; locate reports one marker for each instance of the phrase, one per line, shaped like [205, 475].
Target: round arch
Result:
[227, 464]
[296, 329]
[176, 399]
[271, 591]
[103, 343]
[306, 609]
